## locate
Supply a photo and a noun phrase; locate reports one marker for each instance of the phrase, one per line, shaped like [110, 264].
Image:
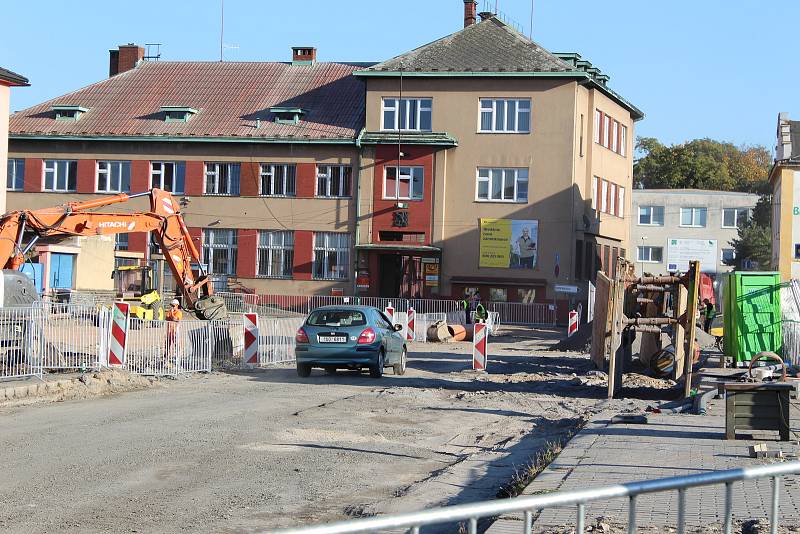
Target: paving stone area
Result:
[668, 445]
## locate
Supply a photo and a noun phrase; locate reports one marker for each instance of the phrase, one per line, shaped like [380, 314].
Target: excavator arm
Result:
[75, 219]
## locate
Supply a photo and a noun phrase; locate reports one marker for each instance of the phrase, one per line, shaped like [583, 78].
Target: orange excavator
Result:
[75, 219]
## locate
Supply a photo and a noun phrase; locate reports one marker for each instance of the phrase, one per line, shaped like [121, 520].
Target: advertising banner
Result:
[681, 251]
[509, 244]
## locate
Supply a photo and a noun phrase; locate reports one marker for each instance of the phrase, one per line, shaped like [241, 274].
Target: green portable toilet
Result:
[751, 314]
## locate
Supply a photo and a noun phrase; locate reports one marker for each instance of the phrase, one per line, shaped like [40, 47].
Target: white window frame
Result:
[493, 104]
[604, 196]
[52, 166]
[598, 119]
[651, 209]
[325, 172]
[15, 179]
[623, 141]
[109, 169]
[222, 174]
[227, 241]
[695, 210]
[287, 182]
[157, 171]
[393, 104]
[737, 212]
[649, 248]
[517, 174]
[278, 243]
[612, 207]
[606, 130]
[614, 134]
[325, 244]
[621, 202]
[403, 174]
[594, 192]
[722, 254]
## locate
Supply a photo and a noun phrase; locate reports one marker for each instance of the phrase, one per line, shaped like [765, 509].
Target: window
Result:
[734, 217]
[278, 180]
[651, 215]
[612, 199]
[222, 179]
[15, 179]
[608, 197]
[219, 251]
[168, 175]
[614, 137]
[728, 255]
[331, 256]
[695, 217]
[177, 113]
[594, 192]
[406, 186]
[275, 254]
[649, 254]
[623, 140]
[120, 241]
[610, 133]
[69, 113]
[505, 115]
[498, 294]
[336, 318]
[409, 114]
[60, 175]
[113, 176]
[604, 196]
[502, 185]
[620, 202]
[598, 125]
[333, 180]
[152, 244]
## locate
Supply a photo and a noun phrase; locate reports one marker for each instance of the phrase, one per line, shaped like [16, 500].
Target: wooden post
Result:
[693, 280]
[679, 333]
[616, 355]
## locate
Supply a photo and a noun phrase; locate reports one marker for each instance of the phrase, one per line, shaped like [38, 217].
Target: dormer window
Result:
[287, 115]
[177, 113]
[69, 113]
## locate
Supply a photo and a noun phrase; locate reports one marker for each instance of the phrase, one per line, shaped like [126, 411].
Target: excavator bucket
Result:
[211, 308]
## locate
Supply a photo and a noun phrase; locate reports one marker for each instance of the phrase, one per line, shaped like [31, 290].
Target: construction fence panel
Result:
[790, 319]
[20, 342]
[74, 336]
[276, 339]
[518, 313]
[163, 348]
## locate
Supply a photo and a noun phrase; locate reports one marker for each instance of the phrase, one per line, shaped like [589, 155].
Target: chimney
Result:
[304, 55]
[783, 147]
[124, 59]
[470, 9]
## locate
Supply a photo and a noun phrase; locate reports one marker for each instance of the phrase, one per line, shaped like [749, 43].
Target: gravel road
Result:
[249, 452]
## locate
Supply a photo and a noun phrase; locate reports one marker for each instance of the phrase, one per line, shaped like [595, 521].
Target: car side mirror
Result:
[398, 327]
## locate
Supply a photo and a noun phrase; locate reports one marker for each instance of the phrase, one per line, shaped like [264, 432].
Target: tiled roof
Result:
[409, 138]
[12, 77]
[489, 46]
[230, 97]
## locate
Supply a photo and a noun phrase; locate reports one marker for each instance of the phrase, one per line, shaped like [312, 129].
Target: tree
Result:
[702, 164]
[754, 240]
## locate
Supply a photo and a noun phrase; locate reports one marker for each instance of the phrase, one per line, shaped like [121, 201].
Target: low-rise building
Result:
[669, 227]
[8, 80]
[785, 180]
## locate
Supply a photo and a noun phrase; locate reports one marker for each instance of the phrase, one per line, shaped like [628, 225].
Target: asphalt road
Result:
[251, 452]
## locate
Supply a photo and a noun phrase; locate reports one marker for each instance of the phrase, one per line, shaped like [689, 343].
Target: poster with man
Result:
[509, 244]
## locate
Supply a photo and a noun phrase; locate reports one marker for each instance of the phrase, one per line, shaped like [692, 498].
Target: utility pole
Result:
[221, 28]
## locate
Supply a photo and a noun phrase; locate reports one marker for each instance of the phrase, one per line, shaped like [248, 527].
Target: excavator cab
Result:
[134, 284]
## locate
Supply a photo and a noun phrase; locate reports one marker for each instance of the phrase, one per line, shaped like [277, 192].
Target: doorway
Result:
[390, 269]
[61, 270]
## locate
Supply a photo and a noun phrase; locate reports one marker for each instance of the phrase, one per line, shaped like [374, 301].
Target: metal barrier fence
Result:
[161, 348]
[471, 513]
[20, 342]
[790, 321]
[276, 341]
[74, 336]
[516, 313]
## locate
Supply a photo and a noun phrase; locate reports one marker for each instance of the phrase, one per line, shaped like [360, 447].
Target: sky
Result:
[698, 68]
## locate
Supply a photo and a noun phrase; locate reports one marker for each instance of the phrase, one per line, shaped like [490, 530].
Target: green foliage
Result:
[702, 164]
[754, 240]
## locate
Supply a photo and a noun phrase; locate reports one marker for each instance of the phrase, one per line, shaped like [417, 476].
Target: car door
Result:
[391, 337]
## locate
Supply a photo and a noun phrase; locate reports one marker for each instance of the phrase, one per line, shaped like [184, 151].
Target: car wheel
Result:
[303, 370]
[376, 371]
[400, 368]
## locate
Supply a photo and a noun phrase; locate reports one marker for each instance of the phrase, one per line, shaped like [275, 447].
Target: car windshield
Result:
[337, 318]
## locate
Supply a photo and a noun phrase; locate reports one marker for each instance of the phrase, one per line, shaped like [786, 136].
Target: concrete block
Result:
[32, 390]
[20, 392]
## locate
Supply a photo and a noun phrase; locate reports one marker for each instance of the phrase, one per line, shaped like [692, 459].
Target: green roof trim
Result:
[186, 139]
[583, 76]
[184, 109]
[407, 138]
[62, 107]
[287, 110]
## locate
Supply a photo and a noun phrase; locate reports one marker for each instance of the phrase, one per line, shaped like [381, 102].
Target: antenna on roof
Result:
[152, 51]
[530, 35]
[487, 8]
[221, 29]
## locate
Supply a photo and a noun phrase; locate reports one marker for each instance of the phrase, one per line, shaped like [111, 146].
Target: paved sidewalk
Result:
[668, 445]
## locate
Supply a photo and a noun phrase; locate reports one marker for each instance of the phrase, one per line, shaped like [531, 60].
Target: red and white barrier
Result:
[251, 338]
[117, 343]
[389, 312]
[574, 319]
[411, 318]
[479, 344]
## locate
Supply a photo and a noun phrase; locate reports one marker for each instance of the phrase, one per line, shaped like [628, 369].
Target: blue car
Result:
[350, 337]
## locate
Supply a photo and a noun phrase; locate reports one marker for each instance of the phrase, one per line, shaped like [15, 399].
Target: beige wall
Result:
[559, 177]
[5, 95]
[95, 263]
[784, 231]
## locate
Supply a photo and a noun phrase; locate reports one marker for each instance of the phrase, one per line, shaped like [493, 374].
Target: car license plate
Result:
[332, 339]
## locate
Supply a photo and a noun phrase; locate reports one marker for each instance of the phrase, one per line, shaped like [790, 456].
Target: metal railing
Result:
[20, 342]
[73, 336]
[161, 348]
[471, 513]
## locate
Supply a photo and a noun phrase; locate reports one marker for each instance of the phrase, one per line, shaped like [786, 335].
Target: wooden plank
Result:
[691, 310]
[679, 332]
[600, 322]
[616, 354]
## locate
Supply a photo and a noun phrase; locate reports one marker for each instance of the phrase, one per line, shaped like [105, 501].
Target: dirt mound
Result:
[581, 341]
